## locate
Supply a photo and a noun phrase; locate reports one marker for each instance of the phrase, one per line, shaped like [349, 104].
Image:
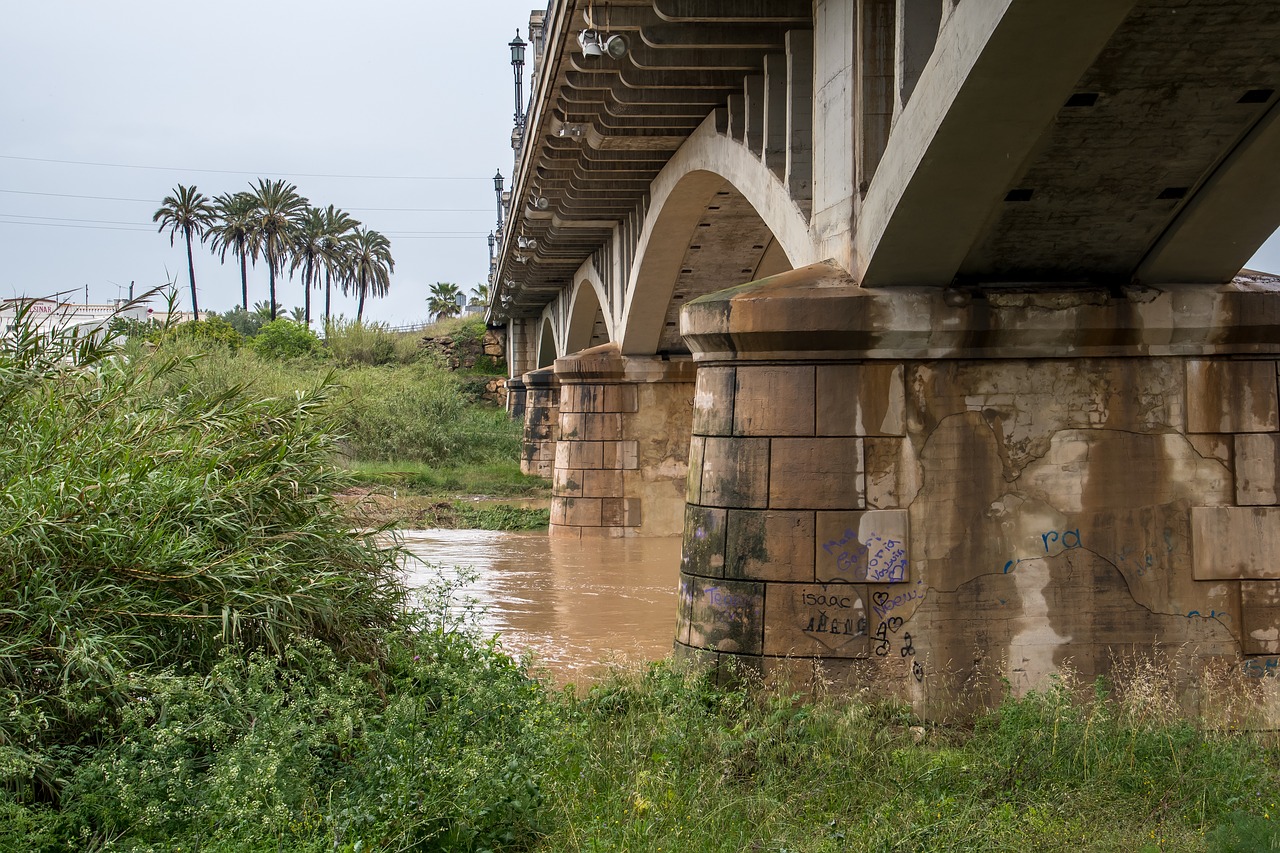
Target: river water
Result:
[574, 605]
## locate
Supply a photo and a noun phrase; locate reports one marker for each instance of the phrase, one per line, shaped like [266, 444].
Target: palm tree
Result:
[443, 301]
[480, 294]
[308, 246]
[232, 231]
[339, 231]
[371, 266]
[278, 208]
[187, 210]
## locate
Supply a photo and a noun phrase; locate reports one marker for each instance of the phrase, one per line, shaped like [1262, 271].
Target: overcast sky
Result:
[216, 94]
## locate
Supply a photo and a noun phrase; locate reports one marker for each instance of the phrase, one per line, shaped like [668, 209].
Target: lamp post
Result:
[497, 191]
[517, 70]
[492, 259]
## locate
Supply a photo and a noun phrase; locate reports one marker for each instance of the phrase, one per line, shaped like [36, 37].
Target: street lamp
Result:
[497, 191]
[517, 70]
[491, 242]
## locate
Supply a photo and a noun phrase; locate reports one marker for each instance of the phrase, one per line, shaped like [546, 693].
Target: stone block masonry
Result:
[964, 510]
[622, 451]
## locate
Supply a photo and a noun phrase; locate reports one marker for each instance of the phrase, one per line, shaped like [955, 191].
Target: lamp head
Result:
[497, 182]
[589, 40]
[517, 49]
[616, 46]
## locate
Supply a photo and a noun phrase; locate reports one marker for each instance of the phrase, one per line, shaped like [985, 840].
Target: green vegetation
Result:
[196, 655]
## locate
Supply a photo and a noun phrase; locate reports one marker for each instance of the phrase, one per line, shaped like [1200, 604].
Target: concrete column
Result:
[516, 399]
[541, 422]
[622, 456]
[930, 495]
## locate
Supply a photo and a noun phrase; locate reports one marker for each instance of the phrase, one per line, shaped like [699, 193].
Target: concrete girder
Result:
[596, 111]
[567, 149]
[609, 125]
[717, 37]
[680, 59]
[647, 78]
[951, 155]
[636, 181]
[761, 11]
[624, 95]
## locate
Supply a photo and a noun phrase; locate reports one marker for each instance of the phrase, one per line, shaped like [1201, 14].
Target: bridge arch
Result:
[588, 323]
[718, 217]
[547, 348]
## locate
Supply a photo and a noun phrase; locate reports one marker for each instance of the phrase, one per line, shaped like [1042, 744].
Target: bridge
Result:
[922, 321]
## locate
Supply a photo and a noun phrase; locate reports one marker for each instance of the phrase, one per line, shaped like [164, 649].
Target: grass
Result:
[196, 655]
[656, 760]
[502, 480]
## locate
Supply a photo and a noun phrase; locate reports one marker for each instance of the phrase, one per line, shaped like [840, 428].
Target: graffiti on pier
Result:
[1212, 614]
[879, 559]
[883, 603]
[887, 627]
[1262, 667]
[1068, 539]
[838, 612]
[848, 626]
[734, 606]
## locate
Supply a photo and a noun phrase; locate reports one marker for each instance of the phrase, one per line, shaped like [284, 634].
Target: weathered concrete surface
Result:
[622, 453]
[935, 526]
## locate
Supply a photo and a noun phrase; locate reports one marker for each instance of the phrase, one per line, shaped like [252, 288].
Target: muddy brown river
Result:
[575, 606]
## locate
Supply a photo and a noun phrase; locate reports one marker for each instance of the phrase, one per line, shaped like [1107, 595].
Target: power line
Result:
[89, 227]
[242, 172]
[63, 219]
[103, 225]
[70, 195]
[355, 209]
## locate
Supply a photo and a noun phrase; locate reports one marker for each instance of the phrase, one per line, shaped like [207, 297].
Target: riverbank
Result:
[379, 506]
[197, 653]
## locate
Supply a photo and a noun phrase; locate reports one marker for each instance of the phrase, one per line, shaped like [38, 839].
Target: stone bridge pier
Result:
[541, 405]
[623, 448]
[934, 491]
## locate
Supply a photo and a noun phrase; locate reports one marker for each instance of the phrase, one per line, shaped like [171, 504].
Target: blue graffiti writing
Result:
[878, 559]
[1212, 614]
[1068, 539]
[726, 600]
[1262, 667]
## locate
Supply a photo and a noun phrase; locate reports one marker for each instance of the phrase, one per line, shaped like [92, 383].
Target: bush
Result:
[146, 532]
[282, 339]
[370, 344]
[211, 331]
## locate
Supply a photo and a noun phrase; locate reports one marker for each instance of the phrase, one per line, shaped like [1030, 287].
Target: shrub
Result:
[148, 531]
[281, 339]
[212, 330]
[370, 343]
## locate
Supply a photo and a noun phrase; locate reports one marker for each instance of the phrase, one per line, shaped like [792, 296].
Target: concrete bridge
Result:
[923, 321]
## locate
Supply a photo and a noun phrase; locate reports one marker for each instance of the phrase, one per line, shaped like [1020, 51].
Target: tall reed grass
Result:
[142, 531]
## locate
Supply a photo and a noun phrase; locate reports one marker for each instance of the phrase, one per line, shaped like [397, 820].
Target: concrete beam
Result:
[1233, 213]
[779, 11]
[999, 74]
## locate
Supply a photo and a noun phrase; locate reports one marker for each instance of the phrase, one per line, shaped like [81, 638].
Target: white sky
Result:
[272, 88]
[419, 90]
